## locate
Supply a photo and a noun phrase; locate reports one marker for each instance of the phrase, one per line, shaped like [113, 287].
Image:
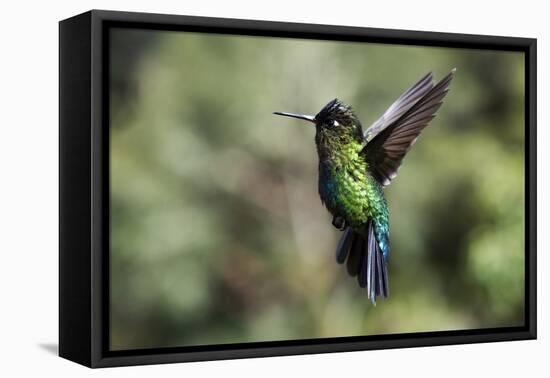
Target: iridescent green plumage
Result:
[355, 166]
[345, 186]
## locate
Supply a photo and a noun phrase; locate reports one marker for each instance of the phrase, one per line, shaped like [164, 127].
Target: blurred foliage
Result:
[218, 234]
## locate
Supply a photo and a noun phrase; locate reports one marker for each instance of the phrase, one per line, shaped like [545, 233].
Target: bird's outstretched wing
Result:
[400, 106]
[387, 148]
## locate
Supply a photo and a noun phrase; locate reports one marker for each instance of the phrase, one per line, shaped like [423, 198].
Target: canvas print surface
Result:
[226, 219]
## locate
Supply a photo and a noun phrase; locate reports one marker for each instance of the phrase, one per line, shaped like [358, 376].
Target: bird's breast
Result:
[348, 191]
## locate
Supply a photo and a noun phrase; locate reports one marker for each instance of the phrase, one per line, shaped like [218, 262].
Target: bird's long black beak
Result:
[299, 116]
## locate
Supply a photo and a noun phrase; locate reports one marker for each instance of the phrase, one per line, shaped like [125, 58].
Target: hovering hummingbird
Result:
[355, 166]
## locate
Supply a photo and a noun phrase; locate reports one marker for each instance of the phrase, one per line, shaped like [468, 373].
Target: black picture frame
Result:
[84, 188]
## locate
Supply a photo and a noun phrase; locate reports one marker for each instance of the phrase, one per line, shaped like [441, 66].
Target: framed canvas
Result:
[235, 188]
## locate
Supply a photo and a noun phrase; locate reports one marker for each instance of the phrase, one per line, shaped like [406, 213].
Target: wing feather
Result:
[385, 151]
[410, 97]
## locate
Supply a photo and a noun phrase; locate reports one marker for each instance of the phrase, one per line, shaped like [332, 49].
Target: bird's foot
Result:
[339, 223]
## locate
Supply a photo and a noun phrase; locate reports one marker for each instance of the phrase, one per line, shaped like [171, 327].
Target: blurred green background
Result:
[217, 231]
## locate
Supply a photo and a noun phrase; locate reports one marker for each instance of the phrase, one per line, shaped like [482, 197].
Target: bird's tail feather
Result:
[364, 261]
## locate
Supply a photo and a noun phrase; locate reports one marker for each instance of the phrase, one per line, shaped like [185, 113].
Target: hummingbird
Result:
[355, 166]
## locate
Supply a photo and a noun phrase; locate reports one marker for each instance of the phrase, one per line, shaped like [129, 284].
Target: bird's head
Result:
[335, 120]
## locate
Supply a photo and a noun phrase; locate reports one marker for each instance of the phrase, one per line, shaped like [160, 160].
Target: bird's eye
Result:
[335, 123]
